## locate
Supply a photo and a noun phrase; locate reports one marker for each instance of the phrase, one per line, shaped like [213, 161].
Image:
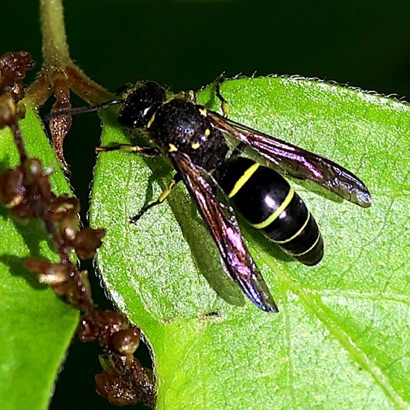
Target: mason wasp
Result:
[193, 138]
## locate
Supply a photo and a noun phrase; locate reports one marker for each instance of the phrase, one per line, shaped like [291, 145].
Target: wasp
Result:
[221, 180]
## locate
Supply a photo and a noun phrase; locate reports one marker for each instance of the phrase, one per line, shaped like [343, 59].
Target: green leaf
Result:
[341, 338]
[36, 327]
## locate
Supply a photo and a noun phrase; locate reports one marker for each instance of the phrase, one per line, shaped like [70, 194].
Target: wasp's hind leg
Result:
[149, 152]
[165, 194]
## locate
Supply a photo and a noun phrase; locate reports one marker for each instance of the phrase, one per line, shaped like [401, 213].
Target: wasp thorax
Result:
[140, 104]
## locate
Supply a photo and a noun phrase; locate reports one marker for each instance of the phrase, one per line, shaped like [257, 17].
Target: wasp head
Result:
[140, 104]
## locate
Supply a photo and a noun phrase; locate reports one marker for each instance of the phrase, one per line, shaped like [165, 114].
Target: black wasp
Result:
[193, 139]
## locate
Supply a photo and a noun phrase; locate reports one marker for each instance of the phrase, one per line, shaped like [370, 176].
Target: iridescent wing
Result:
[223, 226]
[298, 162]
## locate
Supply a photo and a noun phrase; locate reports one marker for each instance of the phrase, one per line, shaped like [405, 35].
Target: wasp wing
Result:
[223, 226]
[298, 162]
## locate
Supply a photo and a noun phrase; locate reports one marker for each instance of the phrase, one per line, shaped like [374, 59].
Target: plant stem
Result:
[59, 74]
[55, 47]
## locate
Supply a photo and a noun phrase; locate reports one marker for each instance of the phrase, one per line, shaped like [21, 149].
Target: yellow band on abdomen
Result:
[243, 179]
[281, 208]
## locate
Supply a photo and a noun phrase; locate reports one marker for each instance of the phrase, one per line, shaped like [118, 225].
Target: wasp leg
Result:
[224, 102]
[149, 152]
[165, 194]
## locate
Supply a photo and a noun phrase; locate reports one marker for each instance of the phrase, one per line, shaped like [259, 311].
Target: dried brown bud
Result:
[52, 274]
[87, 241]
[13, 67]
[126, 341]
[63, 207]
[12, 190]
[101, 325]
[116, 389]
[125, 381]
[38, 178]
[10, 111]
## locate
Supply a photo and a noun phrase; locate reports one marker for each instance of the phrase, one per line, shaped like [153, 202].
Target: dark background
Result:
[186, 44]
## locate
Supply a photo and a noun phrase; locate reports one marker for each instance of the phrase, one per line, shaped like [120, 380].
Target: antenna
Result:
[83, 110]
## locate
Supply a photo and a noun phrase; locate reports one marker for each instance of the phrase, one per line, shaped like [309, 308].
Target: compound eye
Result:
[140, 104]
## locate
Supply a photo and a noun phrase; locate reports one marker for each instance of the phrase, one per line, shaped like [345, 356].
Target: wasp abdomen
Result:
[267, 201]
